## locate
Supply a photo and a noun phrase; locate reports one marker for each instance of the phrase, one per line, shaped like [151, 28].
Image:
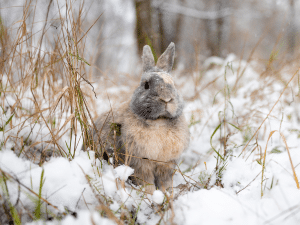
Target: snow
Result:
[64, 182]
[212, 206]
[158, 197]
[202, 194]
[123, 172]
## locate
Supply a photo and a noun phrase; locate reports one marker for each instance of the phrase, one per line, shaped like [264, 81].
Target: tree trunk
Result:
[220, 22]
[162, 36]
[143, 24]
[291, 29]
[150, 28]
[214, 28]
[178, 24]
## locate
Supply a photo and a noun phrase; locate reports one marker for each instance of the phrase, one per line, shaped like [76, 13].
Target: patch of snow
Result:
[158, 197]
[123, 172]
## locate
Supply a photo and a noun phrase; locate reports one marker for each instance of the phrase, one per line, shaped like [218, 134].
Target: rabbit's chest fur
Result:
[160, 139]
[128, 133]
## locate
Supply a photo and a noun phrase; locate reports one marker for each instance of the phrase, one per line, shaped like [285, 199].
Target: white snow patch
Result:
[158, 197]
[123, 172]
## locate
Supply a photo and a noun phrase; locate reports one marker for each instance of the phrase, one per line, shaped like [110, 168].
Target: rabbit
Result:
[149, 132]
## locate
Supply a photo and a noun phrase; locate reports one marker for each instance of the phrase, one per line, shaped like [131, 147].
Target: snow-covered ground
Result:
[251, 184]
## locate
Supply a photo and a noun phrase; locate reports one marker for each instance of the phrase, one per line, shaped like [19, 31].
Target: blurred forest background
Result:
[265, 30]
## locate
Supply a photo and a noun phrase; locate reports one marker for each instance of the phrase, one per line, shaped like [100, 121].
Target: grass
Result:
[50, 81]
[37, 211]
[55, 98]
[10, 210]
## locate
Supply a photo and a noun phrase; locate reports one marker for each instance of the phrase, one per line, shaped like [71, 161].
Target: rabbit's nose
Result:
[166, 100]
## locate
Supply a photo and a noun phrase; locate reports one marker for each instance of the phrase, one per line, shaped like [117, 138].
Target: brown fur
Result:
[151, 147]
[166, 77]
[148, 133]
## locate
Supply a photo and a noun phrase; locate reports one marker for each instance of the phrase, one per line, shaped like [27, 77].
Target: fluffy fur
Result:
[149, 132]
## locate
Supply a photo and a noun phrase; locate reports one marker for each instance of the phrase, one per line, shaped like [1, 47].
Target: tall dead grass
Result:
[43, 96]
[41, 91]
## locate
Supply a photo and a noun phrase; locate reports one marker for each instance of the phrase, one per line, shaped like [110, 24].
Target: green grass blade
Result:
[217, 128]
[37, 211]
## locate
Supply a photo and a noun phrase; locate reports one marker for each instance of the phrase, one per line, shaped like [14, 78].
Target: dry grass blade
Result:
[264, 162]
[52, 135]
[270, 111]
[31, 191]
[293, 168]
[59, 97]
[239, 75]
[34, 67]
[90, 28]
[248, 184]
[34, 144]
[65, 123]
[37, 63]
[102, 206]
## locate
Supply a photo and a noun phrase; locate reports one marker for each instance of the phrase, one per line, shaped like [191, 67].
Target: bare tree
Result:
[143, 23]
[292, 28]
[178, 25]
[150, 26]
[215, 17]
[214, 27]
[159, 35]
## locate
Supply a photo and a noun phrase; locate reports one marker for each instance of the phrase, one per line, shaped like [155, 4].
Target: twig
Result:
[31, 191]
[79, 198]
[102, 205]
[270, 111]
[293, 168]
[264, 162]
[248, 184]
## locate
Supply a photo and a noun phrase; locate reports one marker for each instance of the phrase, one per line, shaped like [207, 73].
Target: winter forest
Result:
[64, 63]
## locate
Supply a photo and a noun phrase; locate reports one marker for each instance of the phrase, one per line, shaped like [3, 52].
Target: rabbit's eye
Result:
[146, 85]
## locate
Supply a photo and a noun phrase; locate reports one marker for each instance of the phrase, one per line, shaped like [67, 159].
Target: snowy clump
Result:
[239, 174]
[236, 189]
[65, 182]
[123, 172]
[158, 197]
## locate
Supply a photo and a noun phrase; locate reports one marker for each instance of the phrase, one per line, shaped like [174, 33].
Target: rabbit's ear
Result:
[148, 59]
[166, 60]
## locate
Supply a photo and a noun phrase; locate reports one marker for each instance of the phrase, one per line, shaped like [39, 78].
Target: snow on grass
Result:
[65, 183]
[123, 172]
[207, 189]
[158, 197]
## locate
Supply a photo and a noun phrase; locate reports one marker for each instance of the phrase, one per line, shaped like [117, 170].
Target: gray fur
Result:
[149, 103]
[148, 59]
[166, 60]
[149, 132]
